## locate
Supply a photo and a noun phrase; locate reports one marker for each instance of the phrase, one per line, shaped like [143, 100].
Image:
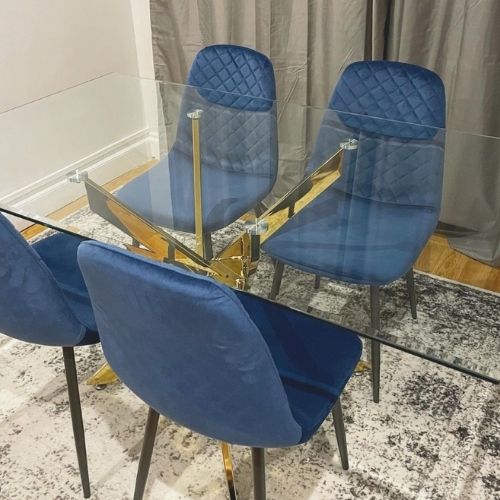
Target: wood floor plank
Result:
[440, 259]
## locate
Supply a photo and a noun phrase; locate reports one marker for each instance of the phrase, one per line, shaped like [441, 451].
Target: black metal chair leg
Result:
[375, 346]
[410, 286]
[338, 422]
[146, 454]
[278, 275]
[76, 417]
[207, 246]
[259, 473]
[317, 282]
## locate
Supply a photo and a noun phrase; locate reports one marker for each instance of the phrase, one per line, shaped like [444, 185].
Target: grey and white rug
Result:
[434, 435]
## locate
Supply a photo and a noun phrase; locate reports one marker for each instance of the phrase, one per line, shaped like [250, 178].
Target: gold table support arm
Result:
[198, 205]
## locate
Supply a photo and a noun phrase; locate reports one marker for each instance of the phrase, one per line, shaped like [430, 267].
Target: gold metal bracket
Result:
[159, 244]
[228, 469]
[198, 205]
[362, 367]
[102, 377]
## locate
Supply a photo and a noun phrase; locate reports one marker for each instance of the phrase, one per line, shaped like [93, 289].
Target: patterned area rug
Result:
[434, 435]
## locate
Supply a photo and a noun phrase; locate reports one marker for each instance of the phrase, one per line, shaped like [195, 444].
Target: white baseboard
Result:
[54, 191]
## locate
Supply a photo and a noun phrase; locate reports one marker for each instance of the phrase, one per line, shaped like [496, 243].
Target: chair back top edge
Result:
[232, 75]
[390, 98]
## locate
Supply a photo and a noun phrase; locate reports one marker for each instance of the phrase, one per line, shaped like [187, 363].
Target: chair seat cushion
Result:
[353, 239]
[314, 358]
[59, 253]
[164, 194]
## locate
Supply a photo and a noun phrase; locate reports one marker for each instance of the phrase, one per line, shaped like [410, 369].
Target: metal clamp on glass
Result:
[77, 176]
[349, 144]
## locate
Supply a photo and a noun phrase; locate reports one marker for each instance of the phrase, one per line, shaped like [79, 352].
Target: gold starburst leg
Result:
[228, 467]
[362, 367]
[102, 377]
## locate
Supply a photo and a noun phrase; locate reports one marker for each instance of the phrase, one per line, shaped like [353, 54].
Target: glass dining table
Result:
[322, 210]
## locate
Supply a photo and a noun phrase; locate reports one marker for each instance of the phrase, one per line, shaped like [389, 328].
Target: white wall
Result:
[141, 16]
[47, 46]
[107, 125]
[99, 126]
[142, 29]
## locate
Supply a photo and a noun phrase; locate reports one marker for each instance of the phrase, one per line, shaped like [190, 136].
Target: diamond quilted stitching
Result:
[397, 171]
[394, 91]
[242, 72]
[238, 130]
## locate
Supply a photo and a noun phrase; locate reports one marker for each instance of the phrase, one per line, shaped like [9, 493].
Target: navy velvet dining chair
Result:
[226, 364]
[234, 88]
[371, 225]
[43, 300]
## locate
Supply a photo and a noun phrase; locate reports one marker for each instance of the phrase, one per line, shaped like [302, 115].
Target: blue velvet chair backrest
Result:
[235, 88]
[32, 306]
[396, 111]
[186, 346]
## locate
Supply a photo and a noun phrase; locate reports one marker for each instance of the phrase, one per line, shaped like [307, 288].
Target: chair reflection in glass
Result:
[43, 300]
[226, 364]
[371, 225]
[231, 92]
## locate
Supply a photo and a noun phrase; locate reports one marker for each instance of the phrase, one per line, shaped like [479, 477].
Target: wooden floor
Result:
[437, 258]
[440, 259]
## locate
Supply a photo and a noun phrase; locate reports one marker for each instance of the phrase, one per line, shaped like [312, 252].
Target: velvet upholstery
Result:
[314, 358]
[234, 88]
[371, 225]
[43, 298]
[228, 365]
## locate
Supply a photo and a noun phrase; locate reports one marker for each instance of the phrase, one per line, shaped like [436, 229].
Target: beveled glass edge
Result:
[42, 220]
[389, 342]
[50, 224]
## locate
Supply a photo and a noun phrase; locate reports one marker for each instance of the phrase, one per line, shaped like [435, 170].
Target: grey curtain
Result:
[459, 40]
[310, 42]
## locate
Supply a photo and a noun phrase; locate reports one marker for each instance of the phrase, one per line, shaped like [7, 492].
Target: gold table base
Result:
[104, 376]
[228, 468]
[362, 367]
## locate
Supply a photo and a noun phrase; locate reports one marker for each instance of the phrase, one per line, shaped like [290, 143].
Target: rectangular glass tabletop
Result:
[322, 210]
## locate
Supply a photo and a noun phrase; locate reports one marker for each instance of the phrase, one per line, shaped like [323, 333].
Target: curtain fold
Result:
[460, 40]
[311, 41]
